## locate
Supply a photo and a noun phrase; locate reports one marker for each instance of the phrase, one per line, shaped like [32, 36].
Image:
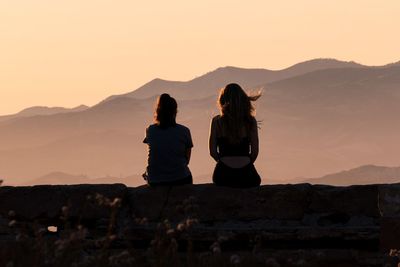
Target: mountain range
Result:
[208, 84]
[316, 117]
[367, 174]
[65, 178]
[41, 110]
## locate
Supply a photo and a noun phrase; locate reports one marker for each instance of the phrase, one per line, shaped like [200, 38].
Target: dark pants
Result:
[186, 180]
[244, 177]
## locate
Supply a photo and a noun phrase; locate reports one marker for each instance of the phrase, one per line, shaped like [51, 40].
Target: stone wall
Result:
[354, 225]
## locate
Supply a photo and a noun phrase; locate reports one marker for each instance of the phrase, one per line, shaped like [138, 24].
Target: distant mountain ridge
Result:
[42, 111]
[366, 174]
[209, 83]
[223, 75]
[63, 178]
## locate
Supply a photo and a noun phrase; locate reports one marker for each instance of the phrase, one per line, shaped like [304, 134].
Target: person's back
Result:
[167, 153]
[169, 146]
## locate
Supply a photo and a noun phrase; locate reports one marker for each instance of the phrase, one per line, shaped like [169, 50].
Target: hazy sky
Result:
[66, 53]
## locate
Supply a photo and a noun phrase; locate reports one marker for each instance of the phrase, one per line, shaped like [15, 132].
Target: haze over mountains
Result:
[317, 117]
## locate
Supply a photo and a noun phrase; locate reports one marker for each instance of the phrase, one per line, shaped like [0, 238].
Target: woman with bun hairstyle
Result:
[233, 141]
[169, 146]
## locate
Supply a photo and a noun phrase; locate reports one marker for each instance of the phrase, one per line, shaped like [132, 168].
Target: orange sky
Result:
[66, 53]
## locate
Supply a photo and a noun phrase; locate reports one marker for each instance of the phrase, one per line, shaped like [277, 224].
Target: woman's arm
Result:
[254, 141]
[212, 143]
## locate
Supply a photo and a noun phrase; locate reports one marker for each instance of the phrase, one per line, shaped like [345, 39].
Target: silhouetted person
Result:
[233, 139]
[169, 147]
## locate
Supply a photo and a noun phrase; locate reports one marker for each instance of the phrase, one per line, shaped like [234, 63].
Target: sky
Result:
[67, 53]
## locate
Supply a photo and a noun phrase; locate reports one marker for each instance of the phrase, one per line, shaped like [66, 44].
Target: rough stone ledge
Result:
[46, 202]
[306, 210]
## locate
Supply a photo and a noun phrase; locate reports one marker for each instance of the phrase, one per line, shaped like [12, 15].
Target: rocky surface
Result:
[45, 203]
[324, 220]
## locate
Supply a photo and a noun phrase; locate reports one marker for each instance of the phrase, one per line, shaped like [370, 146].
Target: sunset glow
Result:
[66, 53]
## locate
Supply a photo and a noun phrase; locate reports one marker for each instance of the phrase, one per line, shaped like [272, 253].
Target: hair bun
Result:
[165, 96]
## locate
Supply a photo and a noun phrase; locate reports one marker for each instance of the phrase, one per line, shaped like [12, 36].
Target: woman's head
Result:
[166, 110]
[236, 109]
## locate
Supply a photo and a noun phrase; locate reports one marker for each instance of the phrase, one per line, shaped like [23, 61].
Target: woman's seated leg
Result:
[236, 177]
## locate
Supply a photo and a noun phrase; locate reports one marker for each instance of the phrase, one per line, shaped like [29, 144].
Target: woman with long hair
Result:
[233, 139]
[169, 146]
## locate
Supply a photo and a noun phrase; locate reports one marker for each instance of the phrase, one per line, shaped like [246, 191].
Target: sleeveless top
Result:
[227, 149]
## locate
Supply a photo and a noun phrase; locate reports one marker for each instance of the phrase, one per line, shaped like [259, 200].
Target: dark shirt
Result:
[167, 158]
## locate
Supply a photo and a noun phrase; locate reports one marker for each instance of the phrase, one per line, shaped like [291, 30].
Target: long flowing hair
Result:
[237, 111]
[165, 111]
